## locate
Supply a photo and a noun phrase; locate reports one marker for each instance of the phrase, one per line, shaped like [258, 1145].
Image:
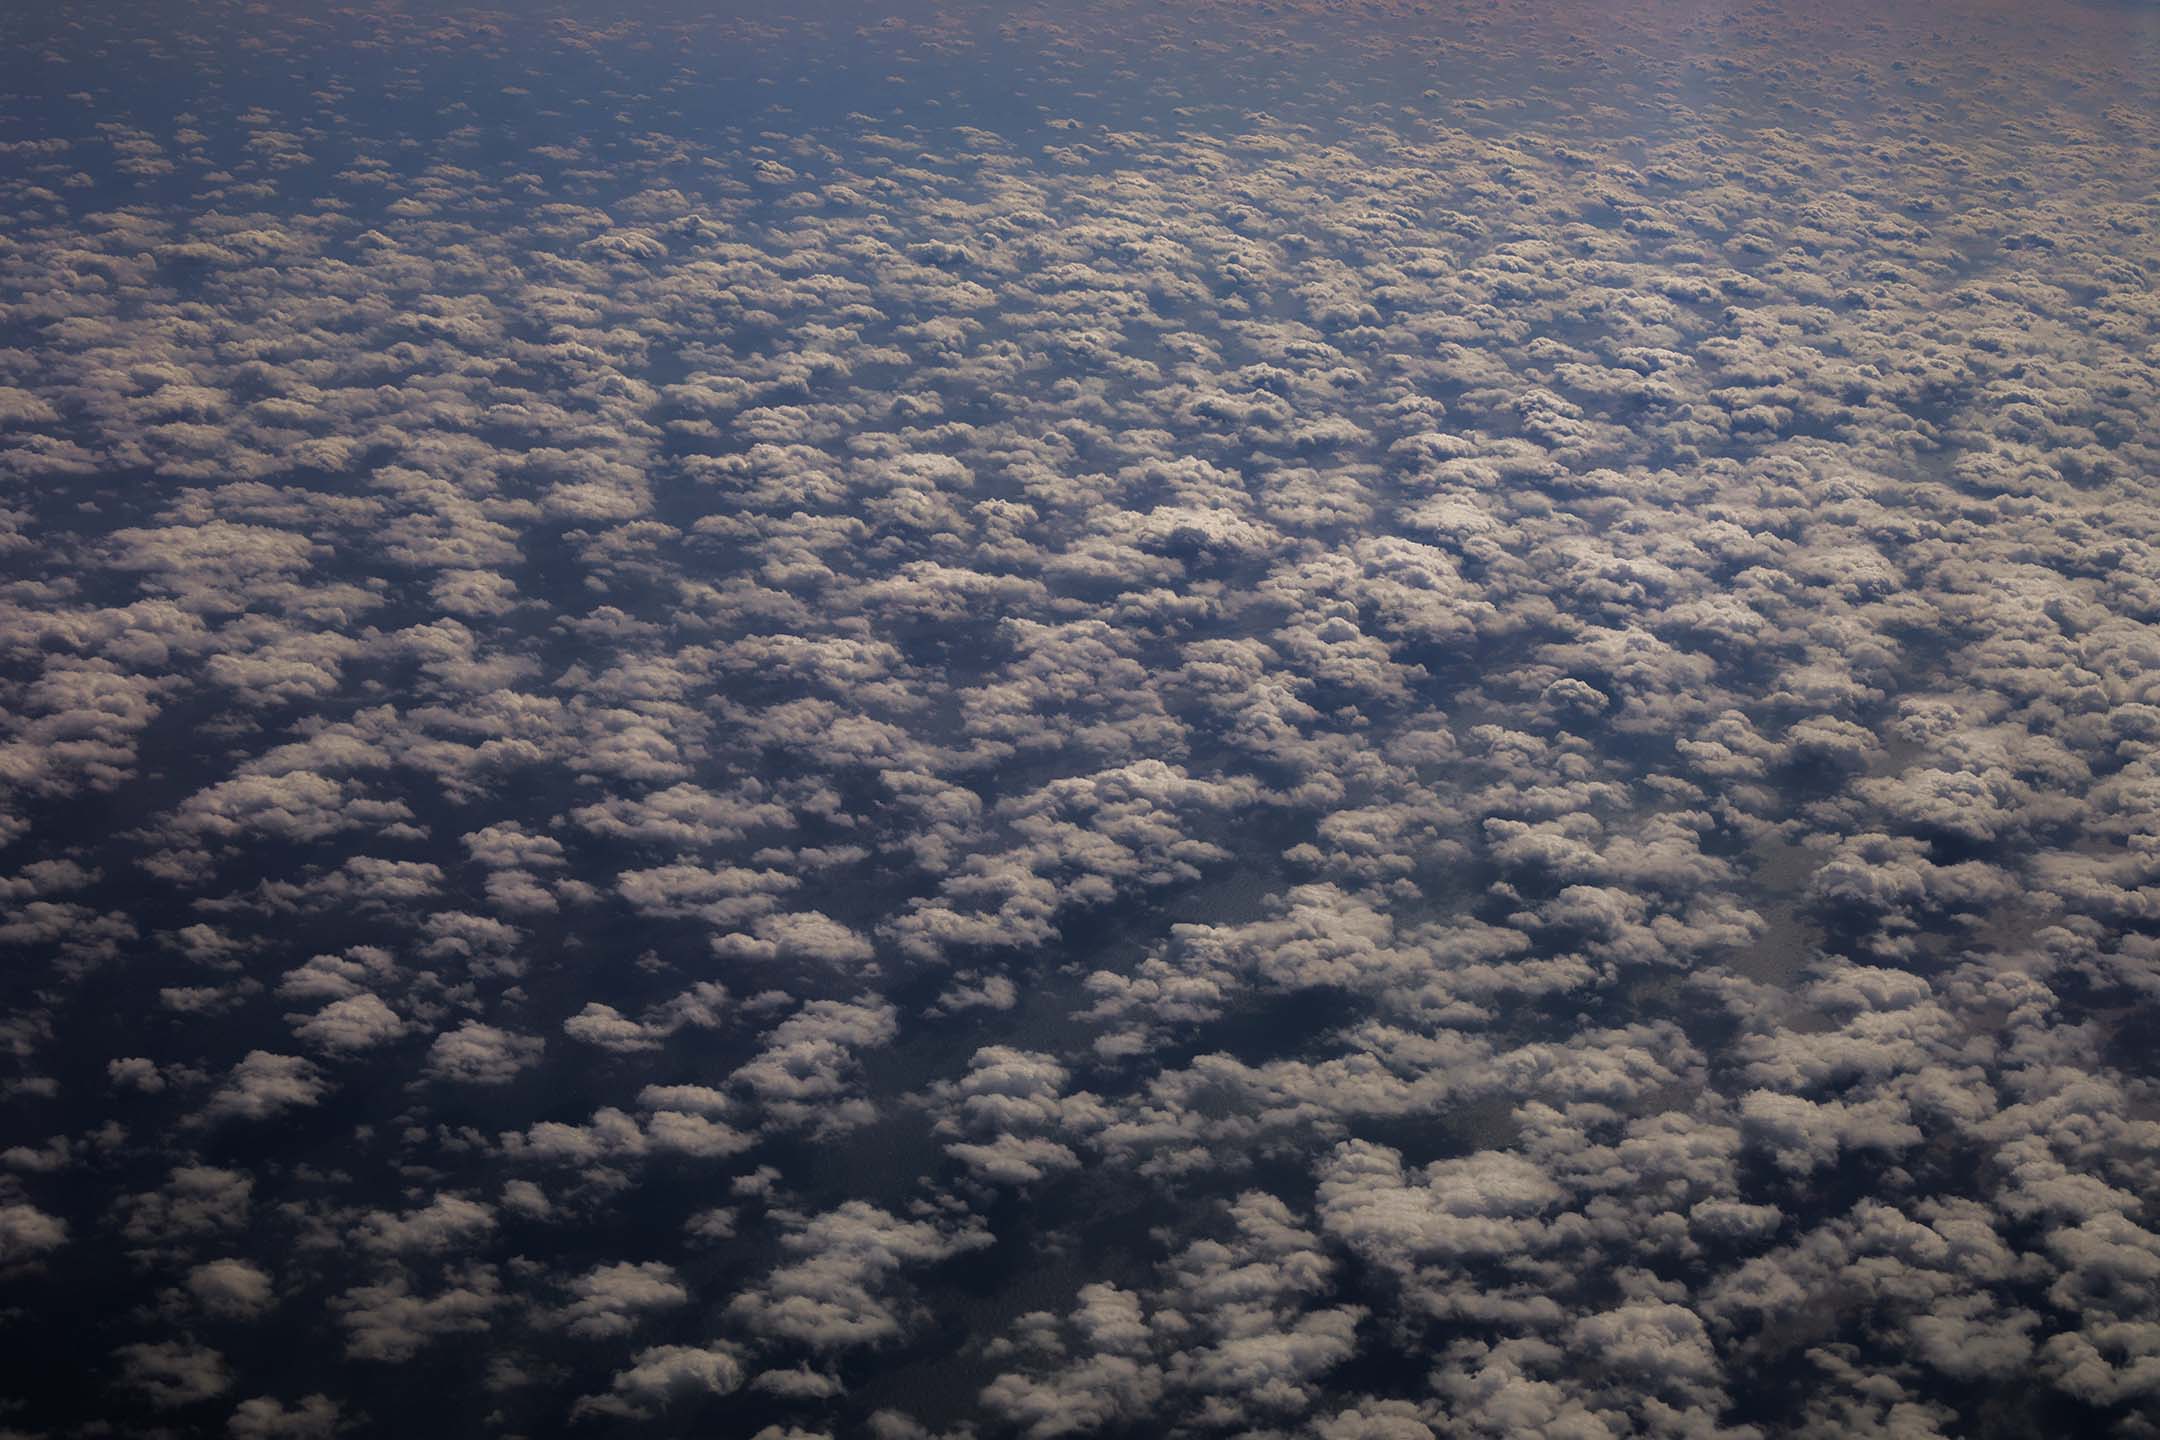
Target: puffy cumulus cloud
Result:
[385, 1321]
[609, 1300]
[683, 815]
[297, 806]
[339, 977]
[357, 1022]
[1489, 1205]
[1653, 1344]
[1077, 842]
[1303, 712]
[263, 1085]
[233, 1289]
[681, 1124]
[843, 1283]
[1007, 1113]
[802, 935]
[170, 1374]
[1100, 1391]
[480, 1054]
[1264, 1346]
[604, 1027]
[27, 1232]
[446, 1223]
[194, 1200]
[667, 1379]
[607, 1028]
[723, 896]
[1230, 1335]
[312, 1417]
[808, 1069]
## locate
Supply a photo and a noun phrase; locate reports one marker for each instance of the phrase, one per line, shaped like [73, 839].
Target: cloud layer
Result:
[1374, 725]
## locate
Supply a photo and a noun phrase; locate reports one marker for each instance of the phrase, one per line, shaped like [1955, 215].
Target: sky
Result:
[973, 721]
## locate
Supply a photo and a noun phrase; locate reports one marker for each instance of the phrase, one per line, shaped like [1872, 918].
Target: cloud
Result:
[313, 1417]
[231, 1289]
[667, 1378]
[262, 1085]
[611, 1299]
[170, 1374]
[840, 1289]
[446, 1223]
[195, 1200]
[481, 1054]
[357, 1022]
[27, 1232]
[384, 1321]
